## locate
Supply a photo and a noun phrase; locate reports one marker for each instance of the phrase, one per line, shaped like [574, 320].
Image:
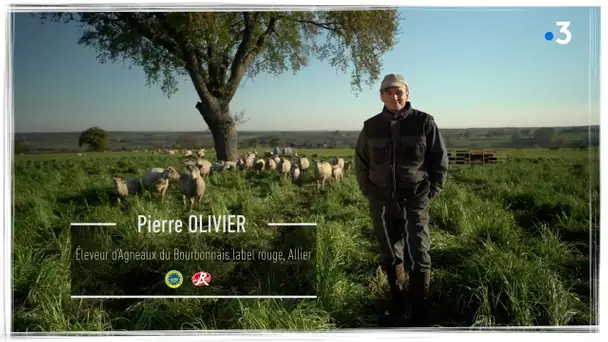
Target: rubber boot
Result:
[398, 282]
[419, 289]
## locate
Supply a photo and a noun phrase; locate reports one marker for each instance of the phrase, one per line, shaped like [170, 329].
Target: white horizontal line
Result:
[92, 224]
[292, 224]
[186, 297]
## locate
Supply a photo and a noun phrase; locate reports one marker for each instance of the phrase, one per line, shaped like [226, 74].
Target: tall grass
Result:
[510, 246]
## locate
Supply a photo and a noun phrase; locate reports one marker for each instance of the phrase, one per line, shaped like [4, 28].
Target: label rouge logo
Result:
[201, 279]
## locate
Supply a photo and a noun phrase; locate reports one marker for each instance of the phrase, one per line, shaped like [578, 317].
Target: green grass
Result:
[510, 244]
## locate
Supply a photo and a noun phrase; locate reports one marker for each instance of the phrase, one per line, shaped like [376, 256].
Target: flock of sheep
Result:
[192, 183]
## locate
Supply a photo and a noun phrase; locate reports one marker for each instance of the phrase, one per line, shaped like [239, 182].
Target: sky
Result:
[465, 67]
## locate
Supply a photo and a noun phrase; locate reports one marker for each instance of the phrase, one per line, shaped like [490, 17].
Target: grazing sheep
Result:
[241, 164]
[229, 165]
[125, 187]
[283, 166]
[271, 164]
[295, 172]
[160, 186]
[152, 176]
[192, 186]
[201, 153]
[259, 165]
[204, 165]
[338, 161]
[303, 163]
[337, 173]
[322, 172]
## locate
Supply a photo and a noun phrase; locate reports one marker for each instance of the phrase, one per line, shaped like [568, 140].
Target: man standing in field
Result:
[401, 165]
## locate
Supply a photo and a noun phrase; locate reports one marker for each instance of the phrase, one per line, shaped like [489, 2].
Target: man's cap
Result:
[393, 80]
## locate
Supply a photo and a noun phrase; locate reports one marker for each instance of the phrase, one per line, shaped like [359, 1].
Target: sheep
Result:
[295, 172]
[161, 185]
[201, 153]
[338, 161]
[229, 165]
[204, 165]
[271, 164]
[188, 153]
[250, 162]
[322, 172]
[303, 163]
[259, 165]
[192, 186]
[337, 173]
[283, 167]
[222, 165]
[125, 187]
[241, 164]
[152, 176]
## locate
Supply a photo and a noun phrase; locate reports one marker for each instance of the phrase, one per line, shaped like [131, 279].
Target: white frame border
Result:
[7, 148]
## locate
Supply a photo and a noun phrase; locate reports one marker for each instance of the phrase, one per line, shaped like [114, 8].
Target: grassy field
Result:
[511, 244]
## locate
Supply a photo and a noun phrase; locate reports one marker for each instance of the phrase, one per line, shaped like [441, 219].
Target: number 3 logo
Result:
[564, 25]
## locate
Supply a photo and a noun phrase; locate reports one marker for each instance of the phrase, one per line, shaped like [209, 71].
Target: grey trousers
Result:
[402, 231]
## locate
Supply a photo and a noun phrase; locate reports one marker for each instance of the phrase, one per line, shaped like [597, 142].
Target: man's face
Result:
[394, 98]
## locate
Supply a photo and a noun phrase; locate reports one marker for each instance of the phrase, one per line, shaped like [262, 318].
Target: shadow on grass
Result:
[529, 214]
[89, 197]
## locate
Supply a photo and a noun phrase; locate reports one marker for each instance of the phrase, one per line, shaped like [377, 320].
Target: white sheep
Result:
[337, 173]
[322, 172]
[303, 163]
[229, 165]
[192, 186]
[295, 172]
[271, 164]
[338, 161]
[150, 179]
[259, 165]
[250, 162]
[241, 164]
[204, 165]
[201, 153]
[283, 167]
[125, 187]
[188, 153]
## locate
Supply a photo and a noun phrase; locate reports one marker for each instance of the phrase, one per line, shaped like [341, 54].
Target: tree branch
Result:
[330, 26]
[241, 52]
[238, 70]
[167, 42]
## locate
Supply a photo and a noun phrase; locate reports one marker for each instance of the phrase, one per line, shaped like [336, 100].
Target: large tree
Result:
[216, 50]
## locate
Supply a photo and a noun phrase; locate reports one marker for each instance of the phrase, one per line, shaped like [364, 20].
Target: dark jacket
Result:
[395, 156]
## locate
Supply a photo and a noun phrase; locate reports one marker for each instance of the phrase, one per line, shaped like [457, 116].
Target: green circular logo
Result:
[174, 279]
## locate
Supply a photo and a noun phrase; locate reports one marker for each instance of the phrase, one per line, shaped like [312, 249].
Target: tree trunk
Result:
[223, 130]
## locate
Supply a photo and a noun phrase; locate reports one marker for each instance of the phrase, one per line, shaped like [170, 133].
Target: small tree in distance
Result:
[96, 139]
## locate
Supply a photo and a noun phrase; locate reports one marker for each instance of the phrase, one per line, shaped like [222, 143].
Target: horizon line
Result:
[300, 131]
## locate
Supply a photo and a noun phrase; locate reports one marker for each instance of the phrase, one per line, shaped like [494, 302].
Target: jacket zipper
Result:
[393, 166]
